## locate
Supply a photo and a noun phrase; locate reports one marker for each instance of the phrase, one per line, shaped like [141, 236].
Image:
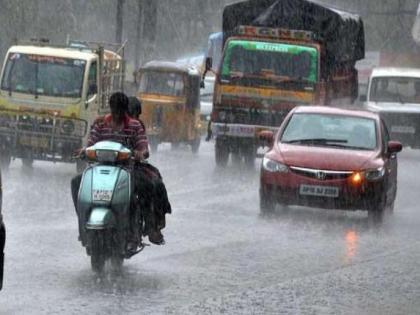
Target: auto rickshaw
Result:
[170, 96]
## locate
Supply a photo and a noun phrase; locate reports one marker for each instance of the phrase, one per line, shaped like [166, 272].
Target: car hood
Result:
[325, 158]
[394, 107]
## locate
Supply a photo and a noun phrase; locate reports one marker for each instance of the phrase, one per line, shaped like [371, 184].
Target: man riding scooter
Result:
[119, 127]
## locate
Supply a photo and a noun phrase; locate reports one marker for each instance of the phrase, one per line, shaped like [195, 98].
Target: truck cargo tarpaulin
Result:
[342, 32]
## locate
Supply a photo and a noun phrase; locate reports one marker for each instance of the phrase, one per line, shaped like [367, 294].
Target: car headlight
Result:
[375, 174]
[274, 166]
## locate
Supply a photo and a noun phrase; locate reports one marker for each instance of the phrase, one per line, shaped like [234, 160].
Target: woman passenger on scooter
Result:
[147, 172]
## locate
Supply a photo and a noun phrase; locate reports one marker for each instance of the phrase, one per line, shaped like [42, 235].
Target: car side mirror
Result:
[202, 84]
[394, 147]
[363, 98]
[209, 63]
[266, 138]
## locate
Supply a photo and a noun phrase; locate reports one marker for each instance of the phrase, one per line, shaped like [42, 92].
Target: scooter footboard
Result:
[100, 218]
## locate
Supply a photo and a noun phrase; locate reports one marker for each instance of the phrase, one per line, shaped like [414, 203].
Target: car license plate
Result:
[319, 191]
[35, 142]
[403, 129]
[102, 195]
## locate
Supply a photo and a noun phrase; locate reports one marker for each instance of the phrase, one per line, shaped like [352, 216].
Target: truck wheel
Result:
[195, 145]
[249, 156]
[221, 153]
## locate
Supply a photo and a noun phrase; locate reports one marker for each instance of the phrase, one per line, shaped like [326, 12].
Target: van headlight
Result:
[274, 166]
[375, 174]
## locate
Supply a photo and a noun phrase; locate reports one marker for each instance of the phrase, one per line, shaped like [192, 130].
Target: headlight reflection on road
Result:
[351, 240]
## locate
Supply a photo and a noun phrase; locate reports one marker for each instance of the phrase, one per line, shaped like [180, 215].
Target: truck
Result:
[278, 54]
[50, 94]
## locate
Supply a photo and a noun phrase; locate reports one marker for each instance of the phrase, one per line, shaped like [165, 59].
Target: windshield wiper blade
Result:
[317, 141]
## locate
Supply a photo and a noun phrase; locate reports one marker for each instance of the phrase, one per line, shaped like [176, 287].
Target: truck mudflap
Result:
[239, 130]
[42, 136]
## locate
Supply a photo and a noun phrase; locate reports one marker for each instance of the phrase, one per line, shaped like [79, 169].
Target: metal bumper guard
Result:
[239, 130]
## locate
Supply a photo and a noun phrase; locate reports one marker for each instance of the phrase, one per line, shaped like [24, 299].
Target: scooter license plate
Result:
[102, 195]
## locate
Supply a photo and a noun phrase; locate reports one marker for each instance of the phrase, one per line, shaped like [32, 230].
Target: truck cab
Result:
[394, 93]
[49, 95]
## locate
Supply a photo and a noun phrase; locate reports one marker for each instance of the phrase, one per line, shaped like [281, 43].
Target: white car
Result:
[395, 94]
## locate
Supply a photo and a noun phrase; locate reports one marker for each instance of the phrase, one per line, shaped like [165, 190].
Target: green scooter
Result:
[104, 206]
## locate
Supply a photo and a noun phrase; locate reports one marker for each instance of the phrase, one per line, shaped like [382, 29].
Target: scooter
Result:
[104, 206]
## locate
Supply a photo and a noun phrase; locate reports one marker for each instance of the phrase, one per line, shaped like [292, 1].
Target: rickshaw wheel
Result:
[195, 145]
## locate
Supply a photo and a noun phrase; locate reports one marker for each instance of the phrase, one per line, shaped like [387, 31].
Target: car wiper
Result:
[317, 141]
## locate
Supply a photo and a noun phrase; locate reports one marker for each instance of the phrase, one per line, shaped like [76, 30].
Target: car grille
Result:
[321, 174]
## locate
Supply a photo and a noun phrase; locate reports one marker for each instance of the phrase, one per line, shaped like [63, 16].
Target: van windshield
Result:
[162, 83]
[395, 90]
[43, 75]
[270, 62]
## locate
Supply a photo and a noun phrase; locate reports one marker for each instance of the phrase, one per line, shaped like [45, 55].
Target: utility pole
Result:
[139, 28]
[119, 29]
[150, 27]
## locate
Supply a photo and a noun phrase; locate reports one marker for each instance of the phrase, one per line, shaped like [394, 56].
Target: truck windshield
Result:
[270, 61]
[43, 75]
[395, 90]
[162, 83]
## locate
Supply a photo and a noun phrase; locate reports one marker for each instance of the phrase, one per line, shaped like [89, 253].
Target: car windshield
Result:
[162, 83]
[43, 75]
[395, 90]
[331, 130]
[270, 62]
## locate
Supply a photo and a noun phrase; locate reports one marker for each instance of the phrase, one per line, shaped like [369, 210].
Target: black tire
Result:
[195, 145]
[249, 154]
[97, 255]
[267, 204]
[376, 213]
[221, 153]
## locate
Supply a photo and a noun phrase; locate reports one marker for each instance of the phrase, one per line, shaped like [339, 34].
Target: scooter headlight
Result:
[274, 166]
[106, 156]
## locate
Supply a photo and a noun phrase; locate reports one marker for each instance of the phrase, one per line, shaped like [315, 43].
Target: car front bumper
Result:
[289, 189]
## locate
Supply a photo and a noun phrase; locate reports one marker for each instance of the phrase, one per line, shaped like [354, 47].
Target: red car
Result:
[333, 158]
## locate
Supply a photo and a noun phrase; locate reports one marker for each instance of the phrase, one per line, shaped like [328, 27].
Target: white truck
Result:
[395, 94]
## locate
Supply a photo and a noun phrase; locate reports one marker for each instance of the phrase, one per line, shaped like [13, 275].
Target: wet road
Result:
[220, 256]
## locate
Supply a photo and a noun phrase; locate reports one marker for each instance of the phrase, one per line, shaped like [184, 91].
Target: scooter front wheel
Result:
[97, 257]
